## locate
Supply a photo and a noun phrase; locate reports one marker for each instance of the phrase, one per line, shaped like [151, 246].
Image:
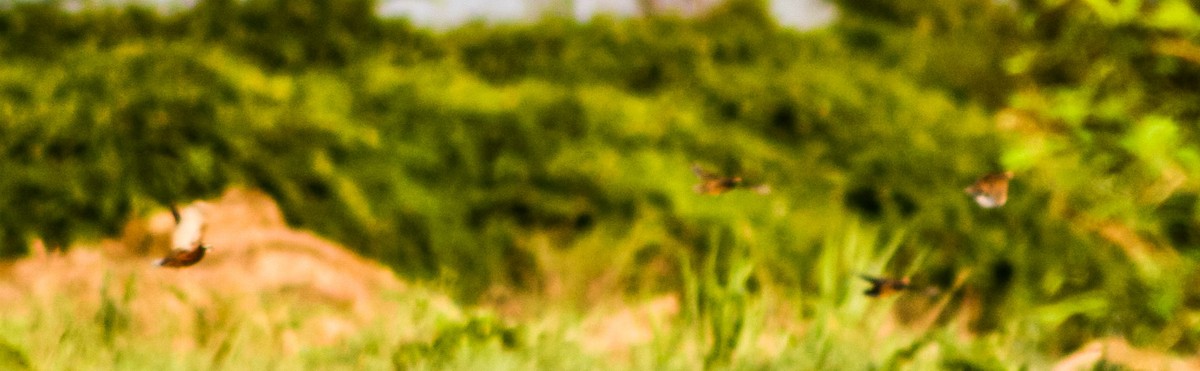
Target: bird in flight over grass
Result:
[881, 286]
[187, 241]
[991, 190]
[712, 184]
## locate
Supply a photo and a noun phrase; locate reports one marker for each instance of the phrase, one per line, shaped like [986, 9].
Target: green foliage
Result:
[11, 357]
[718, 293]
[458, 341]
[955, 45]
[557, 153]
[90, 140]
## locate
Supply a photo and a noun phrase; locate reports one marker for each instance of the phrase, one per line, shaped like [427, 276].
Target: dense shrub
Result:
[517, 155]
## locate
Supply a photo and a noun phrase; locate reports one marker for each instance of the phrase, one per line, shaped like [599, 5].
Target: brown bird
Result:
[712, 184]
[991, 190]
[884, 286]
[187, 241]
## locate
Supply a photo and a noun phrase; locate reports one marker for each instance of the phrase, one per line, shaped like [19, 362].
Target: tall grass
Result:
[729, 317]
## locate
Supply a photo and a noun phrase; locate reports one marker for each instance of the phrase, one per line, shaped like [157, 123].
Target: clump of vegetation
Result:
[554, 157]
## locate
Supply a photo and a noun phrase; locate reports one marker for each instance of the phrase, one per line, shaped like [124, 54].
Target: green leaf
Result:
[1175, 15]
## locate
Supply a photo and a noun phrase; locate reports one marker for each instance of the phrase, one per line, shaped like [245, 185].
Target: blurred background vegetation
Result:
[551, 159]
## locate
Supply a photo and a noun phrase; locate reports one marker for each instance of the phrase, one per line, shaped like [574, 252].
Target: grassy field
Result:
[272, 298]
[520, 196]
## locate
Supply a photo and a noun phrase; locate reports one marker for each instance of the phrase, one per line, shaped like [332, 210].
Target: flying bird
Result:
[881, 286]
[712, 184]
[991, 190]
[187, 241]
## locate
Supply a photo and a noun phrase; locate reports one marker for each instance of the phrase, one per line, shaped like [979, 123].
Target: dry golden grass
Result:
[616, 331]
[1120, 352]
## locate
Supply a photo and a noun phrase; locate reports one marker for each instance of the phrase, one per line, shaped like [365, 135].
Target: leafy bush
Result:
[520, 155]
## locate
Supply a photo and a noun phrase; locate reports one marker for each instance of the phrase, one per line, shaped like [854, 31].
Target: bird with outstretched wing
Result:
[187, 241]
[712, 184]
[882, 286]
[991, 190]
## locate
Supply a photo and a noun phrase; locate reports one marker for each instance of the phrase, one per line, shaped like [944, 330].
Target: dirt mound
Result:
[258, 267]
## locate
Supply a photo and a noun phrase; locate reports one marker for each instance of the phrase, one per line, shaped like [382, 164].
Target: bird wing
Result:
[876, 285]
[994, 179]
[189, 231]
[872, 280]
[704, 175]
